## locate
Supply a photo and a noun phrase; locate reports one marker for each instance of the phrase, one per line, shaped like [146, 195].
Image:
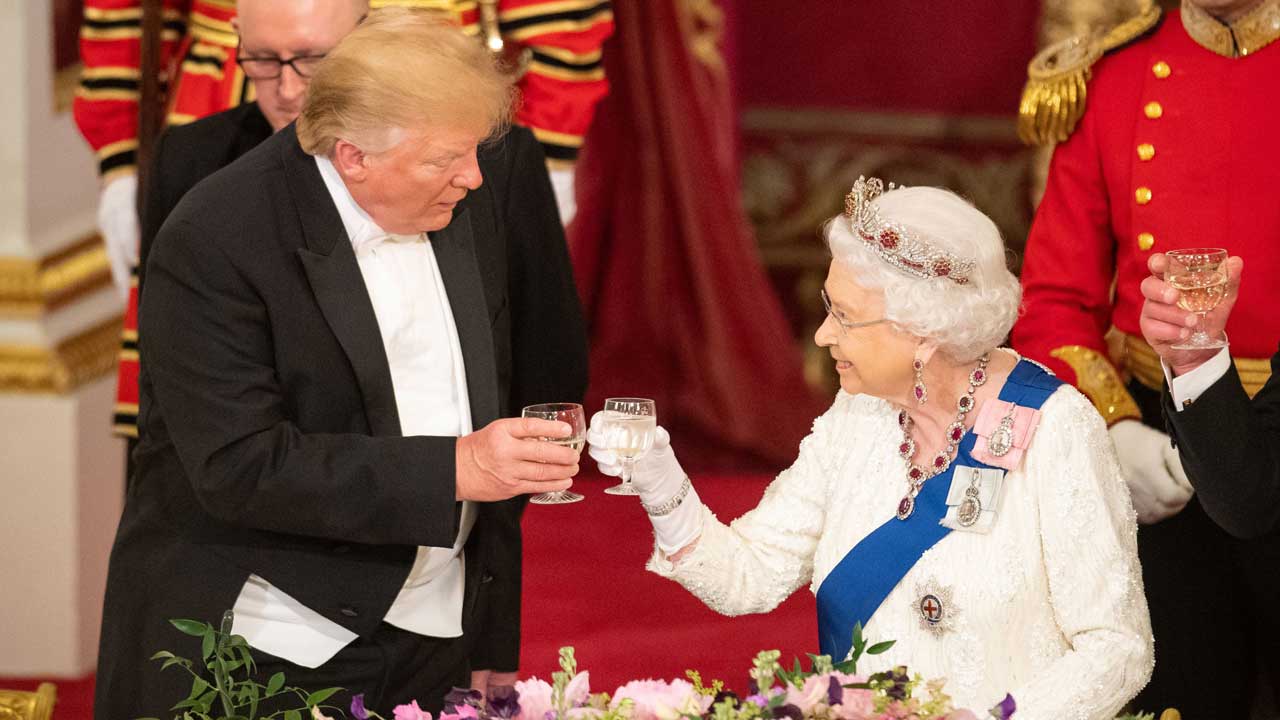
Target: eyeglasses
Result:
[845, 325]
[271, 68]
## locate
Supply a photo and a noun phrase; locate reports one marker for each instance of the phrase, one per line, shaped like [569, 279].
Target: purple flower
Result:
[459, 697]
[835, 691]
[787, 710]
[357, 707]
[1005, 709]
[504, 702]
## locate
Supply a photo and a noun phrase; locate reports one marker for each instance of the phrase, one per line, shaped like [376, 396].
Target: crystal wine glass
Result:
[628, 426]
[1200, 278]
[572, 414]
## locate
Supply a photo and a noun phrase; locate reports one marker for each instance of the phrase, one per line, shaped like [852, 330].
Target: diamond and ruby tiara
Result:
[897, 245]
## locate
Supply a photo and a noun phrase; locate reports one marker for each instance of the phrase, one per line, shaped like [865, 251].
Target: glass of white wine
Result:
[1200, 277]
[572, 414]
[628, 426]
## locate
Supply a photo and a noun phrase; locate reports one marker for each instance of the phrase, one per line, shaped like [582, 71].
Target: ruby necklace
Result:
[916, 475]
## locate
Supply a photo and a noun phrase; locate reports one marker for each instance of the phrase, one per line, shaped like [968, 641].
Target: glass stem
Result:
[627, 466]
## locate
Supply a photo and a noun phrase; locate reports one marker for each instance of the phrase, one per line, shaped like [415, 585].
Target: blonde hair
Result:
[403, 69]
[964, 320]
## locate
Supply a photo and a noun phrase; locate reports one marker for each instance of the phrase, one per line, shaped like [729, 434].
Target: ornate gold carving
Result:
[61, 369]
[1244, 35]
[1098, 379]
[1142, 362]
[21, 705]
[30, 287]
[1057, 78]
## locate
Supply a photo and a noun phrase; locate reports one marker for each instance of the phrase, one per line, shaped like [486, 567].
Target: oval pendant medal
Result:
[970, 508]
[1001, 441]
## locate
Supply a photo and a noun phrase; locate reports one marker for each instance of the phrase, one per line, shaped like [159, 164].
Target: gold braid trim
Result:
[1097, 378]
[1053, 99]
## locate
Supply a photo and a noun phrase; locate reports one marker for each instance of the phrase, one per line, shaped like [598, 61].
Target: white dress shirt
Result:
[1187, 388]
[427, 373]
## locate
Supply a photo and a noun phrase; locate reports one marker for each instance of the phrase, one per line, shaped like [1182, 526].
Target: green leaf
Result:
[157, 656]
[846, 667]
[198, 686]
[880, 647]
[205, 703]
[175, 661]
[207, 645]
[194, 628]
[292, 715]
[320, 696]
[275, 683]
[857, 635]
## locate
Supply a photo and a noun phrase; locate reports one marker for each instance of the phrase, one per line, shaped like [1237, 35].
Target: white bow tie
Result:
[374, 236]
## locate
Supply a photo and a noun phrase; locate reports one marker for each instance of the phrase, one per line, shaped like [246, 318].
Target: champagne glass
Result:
[572, 414]
[1200, 278]
[628, 426]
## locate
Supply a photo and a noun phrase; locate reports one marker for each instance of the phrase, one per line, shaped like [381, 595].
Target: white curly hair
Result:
[963, 320]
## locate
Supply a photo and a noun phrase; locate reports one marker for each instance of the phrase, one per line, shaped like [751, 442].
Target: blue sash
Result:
[873, 568]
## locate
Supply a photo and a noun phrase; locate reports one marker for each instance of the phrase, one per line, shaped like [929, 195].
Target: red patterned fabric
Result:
[677, 301]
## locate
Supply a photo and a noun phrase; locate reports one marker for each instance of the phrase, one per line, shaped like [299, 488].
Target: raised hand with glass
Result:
[571, 414]
[1200, 276]
[627, 427]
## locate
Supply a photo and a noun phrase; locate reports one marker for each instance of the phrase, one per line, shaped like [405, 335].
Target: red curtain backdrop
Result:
[679, 306]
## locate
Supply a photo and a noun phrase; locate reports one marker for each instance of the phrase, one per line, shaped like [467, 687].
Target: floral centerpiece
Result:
[827, 691]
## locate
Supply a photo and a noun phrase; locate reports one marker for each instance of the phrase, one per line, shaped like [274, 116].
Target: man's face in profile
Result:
[302, 31]
[415, 186]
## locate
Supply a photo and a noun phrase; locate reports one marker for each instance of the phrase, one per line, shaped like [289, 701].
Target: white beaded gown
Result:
[1048, 606]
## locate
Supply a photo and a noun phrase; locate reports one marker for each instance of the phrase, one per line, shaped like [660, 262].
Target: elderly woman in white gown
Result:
[955, 498]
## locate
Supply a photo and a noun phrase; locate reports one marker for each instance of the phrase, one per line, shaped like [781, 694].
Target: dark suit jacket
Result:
[186, 154]
[1230, 448]
[270, 438]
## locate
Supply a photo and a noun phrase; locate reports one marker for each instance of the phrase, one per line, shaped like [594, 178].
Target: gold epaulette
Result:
[1058, 76]
[1098, 379]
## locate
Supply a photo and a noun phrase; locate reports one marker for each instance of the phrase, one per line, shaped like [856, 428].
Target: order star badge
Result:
[935, 607]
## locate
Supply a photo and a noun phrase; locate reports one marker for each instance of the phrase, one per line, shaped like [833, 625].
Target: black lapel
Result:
[339, 287]
[454, 247]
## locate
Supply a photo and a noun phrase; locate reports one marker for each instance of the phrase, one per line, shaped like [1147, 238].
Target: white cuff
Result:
[679, 527]
[1186, 388]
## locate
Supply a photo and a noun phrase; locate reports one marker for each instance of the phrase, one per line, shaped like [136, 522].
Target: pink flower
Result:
[962, 715]
[535, 698]
[578, 690]
[535, 695]
[317, 715]
[411, 712]
[464, 712]
[658, 700]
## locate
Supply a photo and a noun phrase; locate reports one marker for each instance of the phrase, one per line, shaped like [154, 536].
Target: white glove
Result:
[118, 223]
[658, 477]
[562, 185]
[1157, 483]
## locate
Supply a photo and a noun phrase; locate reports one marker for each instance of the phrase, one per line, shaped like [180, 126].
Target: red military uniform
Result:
[557, 44]
[1177, 146]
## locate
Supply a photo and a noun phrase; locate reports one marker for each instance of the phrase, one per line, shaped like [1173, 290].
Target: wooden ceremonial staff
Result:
[151, 102]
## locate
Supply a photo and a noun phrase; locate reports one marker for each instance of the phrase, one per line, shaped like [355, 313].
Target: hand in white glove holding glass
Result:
[1157, 483]
[664, 489]
[118, 223]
